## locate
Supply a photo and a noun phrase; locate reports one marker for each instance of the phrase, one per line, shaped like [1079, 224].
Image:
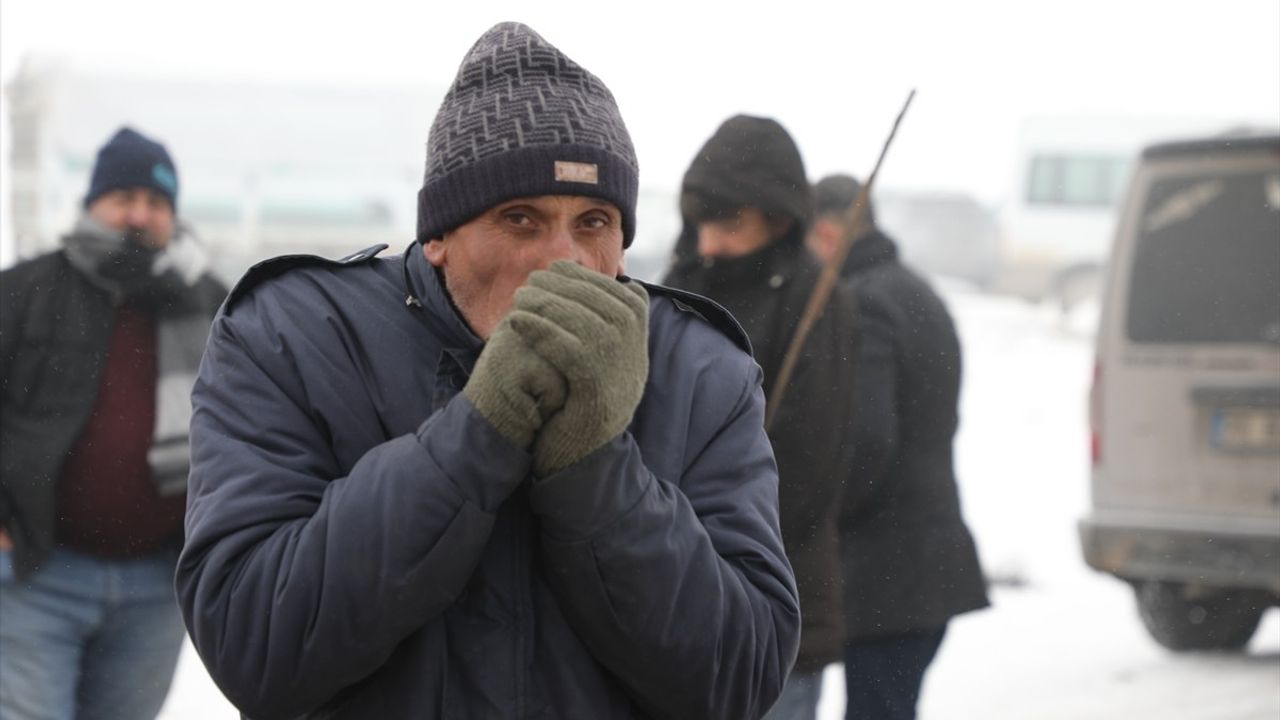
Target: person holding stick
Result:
[745, 201]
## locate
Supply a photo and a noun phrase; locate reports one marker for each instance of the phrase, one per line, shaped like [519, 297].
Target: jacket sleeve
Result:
[299, 578]
[680, 586]
[876, 434]
[12, 312]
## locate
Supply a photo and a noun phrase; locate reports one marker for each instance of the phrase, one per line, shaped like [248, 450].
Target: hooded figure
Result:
[746, 204]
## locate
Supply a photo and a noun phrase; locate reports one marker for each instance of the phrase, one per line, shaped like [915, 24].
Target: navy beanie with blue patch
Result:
[521, 120]
[132, 160]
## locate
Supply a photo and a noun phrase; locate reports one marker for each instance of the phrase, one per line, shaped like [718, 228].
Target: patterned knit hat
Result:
[523, 120]
[132, 160]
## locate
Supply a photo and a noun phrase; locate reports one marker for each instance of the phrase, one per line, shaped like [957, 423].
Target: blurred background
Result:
[301, 128]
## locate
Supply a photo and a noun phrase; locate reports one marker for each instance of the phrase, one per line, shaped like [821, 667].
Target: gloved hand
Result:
[513, 387]
[595, 331]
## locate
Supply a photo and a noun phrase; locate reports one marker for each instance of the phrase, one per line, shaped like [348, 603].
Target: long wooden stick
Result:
[855, 218]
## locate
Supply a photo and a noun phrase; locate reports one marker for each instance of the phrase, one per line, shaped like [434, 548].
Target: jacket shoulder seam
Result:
[273, 267]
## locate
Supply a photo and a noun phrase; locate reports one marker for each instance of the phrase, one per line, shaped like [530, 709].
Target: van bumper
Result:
[1147, 553]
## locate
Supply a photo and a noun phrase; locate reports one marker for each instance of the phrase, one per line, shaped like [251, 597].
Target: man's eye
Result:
[596, 222]
[518, 218]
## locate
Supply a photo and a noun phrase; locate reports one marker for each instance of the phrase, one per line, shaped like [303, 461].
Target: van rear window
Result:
[1206, 267]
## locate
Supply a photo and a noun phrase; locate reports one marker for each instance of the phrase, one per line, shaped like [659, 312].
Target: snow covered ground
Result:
[1060, 641]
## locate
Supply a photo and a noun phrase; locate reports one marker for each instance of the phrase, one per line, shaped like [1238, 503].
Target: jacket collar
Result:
[426, 287]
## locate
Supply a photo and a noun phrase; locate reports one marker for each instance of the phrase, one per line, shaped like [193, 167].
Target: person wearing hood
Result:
[99, 345]
[489, 476]
[908, 561]
[746, 204]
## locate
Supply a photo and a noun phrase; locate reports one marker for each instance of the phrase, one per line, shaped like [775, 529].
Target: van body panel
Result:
[1203, 549]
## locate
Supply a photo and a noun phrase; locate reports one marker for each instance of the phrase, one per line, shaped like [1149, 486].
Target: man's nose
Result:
[710, 242]
[138, 213]
[559, 245]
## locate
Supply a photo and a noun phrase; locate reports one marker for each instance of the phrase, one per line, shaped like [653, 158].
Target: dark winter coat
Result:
[361, 543]
[767, 292]
[55, 330]
[909, 562]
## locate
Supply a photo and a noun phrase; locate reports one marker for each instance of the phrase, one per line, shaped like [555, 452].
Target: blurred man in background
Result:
[99, 345]
[908, 561]
[745, 199]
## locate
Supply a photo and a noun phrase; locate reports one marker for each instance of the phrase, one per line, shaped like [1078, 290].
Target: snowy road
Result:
[1065, 643]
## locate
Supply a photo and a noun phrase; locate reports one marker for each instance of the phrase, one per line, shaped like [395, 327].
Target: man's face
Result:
[742, 234]
[823, 238]
[140, 211]
[486, 260]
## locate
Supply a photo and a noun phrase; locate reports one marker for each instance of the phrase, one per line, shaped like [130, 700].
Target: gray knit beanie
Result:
[521, 120]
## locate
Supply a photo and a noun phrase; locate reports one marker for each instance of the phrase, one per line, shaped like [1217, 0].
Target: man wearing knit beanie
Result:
[746, 205]
[101, 341]
[490, 476]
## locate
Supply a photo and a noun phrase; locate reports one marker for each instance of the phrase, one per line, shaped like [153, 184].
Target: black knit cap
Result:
[748, 162]
[522, 120]
[132, 160]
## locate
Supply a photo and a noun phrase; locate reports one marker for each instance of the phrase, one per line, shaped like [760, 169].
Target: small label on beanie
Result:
[577, 172]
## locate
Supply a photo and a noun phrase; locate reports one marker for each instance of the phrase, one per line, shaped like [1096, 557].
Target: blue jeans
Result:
[799, 698]
[88, 639]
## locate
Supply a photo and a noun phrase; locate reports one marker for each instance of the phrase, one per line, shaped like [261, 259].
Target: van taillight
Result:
[1095, 415]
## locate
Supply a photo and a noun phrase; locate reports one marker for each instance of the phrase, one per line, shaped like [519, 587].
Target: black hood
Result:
[748, 162]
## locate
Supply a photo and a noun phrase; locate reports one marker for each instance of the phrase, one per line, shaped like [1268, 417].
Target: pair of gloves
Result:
[565, 369]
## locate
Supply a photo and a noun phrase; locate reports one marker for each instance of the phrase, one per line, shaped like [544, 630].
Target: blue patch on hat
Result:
[165, 177]
[131, 160]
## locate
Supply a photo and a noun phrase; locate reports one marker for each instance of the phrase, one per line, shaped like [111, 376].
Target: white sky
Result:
[835, 76]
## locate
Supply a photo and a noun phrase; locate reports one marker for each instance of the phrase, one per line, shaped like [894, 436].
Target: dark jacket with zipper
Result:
[908, 559]
[361, 543]
[55, 329]
[767, 292]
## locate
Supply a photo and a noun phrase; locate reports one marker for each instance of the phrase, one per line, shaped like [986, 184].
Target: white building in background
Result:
[263, 169]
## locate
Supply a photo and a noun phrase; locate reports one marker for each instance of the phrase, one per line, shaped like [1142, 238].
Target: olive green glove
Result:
[595, 331]
[513, 387]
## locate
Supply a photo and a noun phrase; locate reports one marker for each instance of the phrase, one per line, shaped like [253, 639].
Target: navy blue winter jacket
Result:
[361, 543]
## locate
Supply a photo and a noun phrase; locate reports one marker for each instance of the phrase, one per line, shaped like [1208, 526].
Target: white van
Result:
[1185, 405]
[1071, 174]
